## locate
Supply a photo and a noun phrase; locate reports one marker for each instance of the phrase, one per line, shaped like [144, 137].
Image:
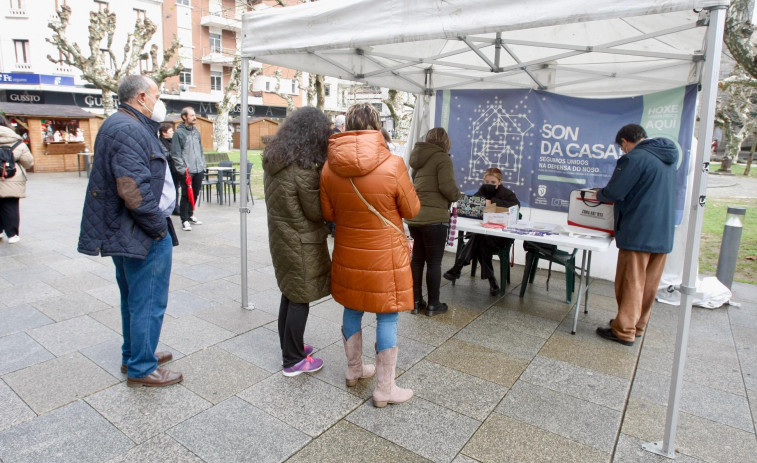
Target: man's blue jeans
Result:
[386, 330]
[144, 297]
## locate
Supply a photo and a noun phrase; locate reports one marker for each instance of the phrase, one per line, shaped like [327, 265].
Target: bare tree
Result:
[102, 28]
[317, 91]
[738, 37]
[398, 104]
[286, 96]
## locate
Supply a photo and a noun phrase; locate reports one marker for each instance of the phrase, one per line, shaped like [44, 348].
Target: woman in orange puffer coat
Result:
[370, 269]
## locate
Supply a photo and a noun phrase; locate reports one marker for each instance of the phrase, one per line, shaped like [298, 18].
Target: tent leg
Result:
[243, 209]
[666, 448]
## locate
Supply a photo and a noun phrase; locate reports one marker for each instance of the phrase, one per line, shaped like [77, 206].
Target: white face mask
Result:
[158, 113]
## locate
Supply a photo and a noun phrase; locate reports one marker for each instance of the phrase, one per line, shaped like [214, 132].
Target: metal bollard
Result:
[729, 247]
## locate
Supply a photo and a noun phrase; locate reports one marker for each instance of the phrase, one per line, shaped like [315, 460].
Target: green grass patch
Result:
[712, 234]
[256, 174]
[737, 169]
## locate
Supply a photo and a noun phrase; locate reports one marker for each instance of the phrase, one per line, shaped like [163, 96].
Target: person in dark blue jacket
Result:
[643, 188]
[126, 216]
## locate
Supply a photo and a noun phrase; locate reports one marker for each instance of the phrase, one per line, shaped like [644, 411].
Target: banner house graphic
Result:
[547, 145]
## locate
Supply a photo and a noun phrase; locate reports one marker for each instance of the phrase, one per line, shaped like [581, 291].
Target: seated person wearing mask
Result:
[483, 247]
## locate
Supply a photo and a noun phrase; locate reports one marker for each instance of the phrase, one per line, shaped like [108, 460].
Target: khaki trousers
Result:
[637, 277]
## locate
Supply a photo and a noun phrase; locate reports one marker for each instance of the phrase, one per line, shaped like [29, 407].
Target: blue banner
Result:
[547, 145]
[35, 79]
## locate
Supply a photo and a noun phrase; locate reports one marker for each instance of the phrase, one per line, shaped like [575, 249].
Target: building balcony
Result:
[227, 20]
[24, 67]
[17, 13]
[223, 57]
[63, 69]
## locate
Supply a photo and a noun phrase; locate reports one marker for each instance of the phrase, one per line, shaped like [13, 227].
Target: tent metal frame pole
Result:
[243, 208]
[688, 288]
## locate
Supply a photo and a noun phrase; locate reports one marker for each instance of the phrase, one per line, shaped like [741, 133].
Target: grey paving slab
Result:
[423, 427]
[142, 413]
[698, 437]
[216, 290]
[422, 328]
[34, 272]
[189, 334]
[28, 292]
[599, 388]
[216, 375]
[752, 397]
[335, 366]
[570, 417]
[108, 294]
[203, 272]
[112, 318]
[506, 320]
[234, 430]
[329, 310]
[479, 361]
[629, 450]
[74, 265]
[14, 411]
[742, 317]
[292, 400]
[345, 442]
[161, 448]
[319, 332]
[107, 355]
[20, 318]
[231, 316]
[19, 351]
[600, 357]
[468, 293]
[260, 347]
[747, 353]
[268, 301]
[549, 309]
[460, 458]
[58, 381]
[511, 342]
[75, 432]
[502, 439]
[453, 389]
[707, 363]
[706, 402]
[72, 334]
[70, 306]
[81, 281]
[182, 303]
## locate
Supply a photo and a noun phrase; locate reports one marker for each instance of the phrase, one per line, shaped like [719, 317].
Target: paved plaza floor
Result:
[496, 379]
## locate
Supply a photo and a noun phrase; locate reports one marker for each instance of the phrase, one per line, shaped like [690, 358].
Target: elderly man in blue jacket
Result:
[643, 190]
[126, 216]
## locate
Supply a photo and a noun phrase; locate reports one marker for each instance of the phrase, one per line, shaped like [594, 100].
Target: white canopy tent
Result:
[601, 48]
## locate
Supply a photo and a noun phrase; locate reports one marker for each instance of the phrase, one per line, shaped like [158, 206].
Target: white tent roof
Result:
[573, 47]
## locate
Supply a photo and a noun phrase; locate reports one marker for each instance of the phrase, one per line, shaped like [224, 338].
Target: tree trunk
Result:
[751, 156]
[108, 106]
[221, 132]
[320, 92]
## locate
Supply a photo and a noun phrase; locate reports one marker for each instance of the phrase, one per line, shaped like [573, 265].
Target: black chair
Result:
[234, 182]
[224, 178]
[504, 260]
[209, 179]
[548, 252]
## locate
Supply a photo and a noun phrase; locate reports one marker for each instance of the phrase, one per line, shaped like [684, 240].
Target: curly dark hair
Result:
[302, 138]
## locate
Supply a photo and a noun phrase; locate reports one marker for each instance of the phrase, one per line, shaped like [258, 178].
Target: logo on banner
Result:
[542, 190]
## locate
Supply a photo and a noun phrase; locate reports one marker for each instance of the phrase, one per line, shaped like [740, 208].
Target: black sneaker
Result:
[418, 306]
[493, 286]
[608, 334]
[436, 309]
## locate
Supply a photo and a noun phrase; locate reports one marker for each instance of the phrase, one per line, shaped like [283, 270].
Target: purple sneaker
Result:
[306, 365]
[308, 351]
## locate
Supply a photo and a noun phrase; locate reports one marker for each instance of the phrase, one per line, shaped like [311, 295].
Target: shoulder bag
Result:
[382, 218]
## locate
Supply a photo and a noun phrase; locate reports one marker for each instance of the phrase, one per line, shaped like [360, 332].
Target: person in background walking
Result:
[292, 164]
[126, 216]
[370, 270]
[165, 137]
[13, 188]
[434, 181]
[186, 152]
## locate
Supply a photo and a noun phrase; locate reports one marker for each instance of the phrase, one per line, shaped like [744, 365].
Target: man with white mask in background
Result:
[126, 216]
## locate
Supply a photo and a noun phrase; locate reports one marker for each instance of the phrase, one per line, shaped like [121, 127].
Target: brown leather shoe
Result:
[158, 378]
[163, 357]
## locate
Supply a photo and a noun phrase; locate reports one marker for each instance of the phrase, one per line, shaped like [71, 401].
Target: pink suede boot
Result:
[356, 370]
[386, 391]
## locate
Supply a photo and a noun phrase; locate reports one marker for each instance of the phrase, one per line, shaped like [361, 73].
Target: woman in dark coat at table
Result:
[483, 247]
[434, 181]
[292, 164]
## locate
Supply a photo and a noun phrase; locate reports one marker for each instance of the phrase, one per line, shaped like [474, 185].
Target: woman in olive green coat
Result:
[292, 164]
[434, 181]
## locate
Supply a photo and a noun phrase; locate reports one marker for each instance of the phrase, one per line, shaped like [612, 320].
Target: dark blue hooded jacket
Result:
[121, 216]
[643, 188]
